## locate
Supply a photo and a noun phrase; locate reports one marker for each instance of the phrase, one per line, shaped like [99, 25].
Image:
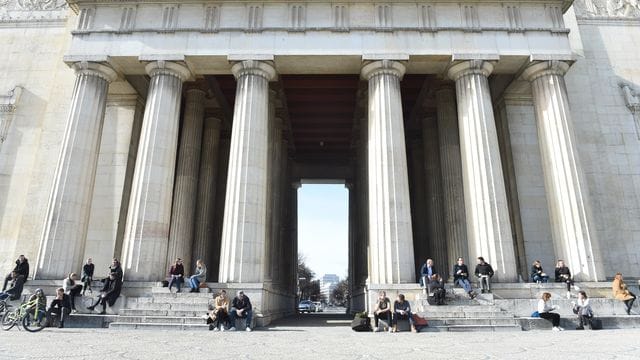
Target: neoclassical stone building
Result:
[150, 130]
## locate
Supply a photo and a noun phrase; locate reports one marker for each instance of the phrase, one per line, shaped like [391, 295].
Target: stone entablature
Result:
[607, 9]
[247, 16]
[33, 12]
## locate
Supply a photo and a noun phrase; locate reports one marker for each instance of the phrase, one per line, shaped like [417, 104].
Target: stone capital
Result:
[479, 67]
[386, 67]
[542, 68]
[95, 69]
[162, 67]
[263, 69]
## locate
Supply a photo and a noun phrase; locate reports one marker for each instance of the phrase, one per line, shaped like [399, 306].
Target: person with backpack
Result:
[436, 289]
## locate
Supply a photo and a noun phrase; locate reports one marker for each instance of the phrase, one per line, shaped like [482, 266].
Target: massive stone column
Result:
[244, 229]
[433, 190]
[390, 235]
[567, 193]
[147, 232]
[488, 223]
[451, 170]
[185, 190]
[420, 223]
[65, 229]
[204, 234]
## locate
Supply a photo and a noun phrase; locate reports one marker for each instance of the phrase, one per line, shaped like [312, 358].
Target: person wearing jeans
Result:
[402, 311]
[198, 277]
[461, 277]
[537, 274]
[240, 308]
[176, 274]
[545, 310]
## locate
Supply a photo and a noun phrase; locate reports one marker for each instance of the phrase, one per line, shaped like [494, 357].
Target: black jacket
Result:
[177, 270]
[563, 271]
[65, 302]
[87, 271]
[15, 291]
[424, 270]
[22, 268]
[112, 290]
[245, 303]
[463, 275]
[116, 270]
[484, 269]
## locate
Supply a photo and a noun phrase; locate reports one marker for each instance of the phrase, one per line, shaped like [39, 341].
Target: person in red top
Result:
[176, 274]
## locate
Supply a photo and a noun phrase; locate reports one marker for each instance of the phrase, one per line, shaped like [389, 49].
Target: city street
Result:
[317, 336]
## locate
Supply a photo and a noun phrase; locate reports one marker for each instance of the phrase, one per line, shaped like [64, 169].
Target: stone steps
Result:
[474, 328]
[177, 313]
[161, 319]
[158, 326]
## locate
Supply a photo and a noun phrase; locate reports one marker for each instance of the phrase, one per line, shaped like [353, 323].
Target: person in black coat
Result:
[116, 269]
[461, 277]
[15, 290]
[21, 269]
[240, 308]
[60, 307]
[110, 293]
[484, 272]
[87, 276]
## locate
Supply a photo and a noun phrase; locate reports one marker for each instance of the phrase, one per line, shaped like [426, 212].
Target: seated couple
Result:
[220, 317]
[401, 311]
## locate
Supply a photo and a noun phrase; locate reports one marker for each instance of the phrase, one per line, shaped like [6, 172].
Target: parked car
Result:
[318, 306]
[306, 306]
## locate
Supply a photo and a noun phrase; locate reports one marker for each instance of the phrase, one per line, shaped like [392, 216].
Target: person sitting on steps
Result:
[219, 312]
[402, 311]
[20, 270]
[583, 310]
[537, 274]
[15, 287]
[563, 274]
[621, 292]
[240, 308]
[198, 277]
[87, 276]
[436, 289]
[545, 310]
[461, 277]
[110, 293]
[60, 307]
[484, 272]
[176, 274]
[382, 311]
[426, 271]
[116, 269]
[72, 289]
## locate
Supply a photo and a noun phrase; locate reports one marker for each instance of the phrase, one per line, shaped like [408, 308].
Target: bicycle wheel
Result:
[9, 319]
[30, 322]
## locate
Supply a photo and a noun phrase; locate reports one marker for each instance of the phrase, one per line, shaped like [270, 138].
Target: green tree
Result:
[340, 294]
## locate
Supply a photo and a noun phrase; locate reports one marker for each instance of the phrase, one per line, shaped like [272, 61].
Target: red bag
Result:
[419, 321]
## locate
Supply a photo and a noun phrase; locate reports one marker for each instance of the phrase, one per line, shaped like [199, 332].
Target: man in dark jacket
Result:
[484, 272]
[15, 289]
[116, 269]
[461, 277]
[110, 293]
[426, 272]
[21, 269]
[436, 288]
[240, 308]
[60, 307]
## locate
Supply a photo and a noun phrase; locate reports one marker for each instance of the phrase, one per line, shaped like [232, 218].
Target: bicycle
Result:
[4, 306]
[27, 316]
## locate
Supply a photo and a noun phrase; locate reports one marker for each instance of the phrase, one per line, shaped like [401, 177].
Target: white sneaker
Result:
[215, 329]
[248, 329]
[556, 328]
[576, 287]
[568, 294]
[390, 330]
[375, 329]
[221, 328]
[233, 328]
[561, 328]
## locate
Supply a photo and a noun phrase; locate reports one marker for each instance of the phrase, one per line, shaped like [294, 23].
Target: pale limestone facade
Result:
[117, 139]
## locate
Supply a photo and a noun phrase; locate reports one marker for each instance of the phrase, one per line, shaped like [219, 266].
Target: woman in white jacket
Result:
[583, 310]
[545, 310]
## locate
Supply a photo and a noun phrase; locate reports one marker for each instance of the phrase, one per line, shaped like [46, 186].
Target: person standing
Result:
[563, 274]
[622, 293]
[240, 308]
[87, 276]
[382, 311]
[60, 306]
[198, 277]
[545, 310]
[72, 289]
[176, 274]
[484, 272]
[537, 274]
[461, 277]
[21, 269]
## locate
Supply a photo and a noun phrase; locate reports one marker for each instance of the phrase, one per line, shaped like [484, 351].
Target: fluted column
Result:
[567, 193]
[433, 190]
[390, 235]
[451, 170]
[245, 214]
[488, 223]
[420, 223]
[185, 191]
[65, 229]
[276, 174]
[204, 234]
[148, 220]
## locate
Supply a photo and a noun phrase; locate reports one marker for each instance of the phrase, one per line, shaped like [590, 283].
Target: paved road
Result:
[317, 336]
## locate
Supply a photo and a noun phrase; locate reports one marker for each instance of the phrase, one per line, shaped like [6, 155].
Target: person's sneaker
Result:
[375, 329]
[221, 328]
[579, 327]
[568, 294]
[211, 327]
[248, 329]
[91, 307]
[233, 328]
[215, 329]
[74, 311]
[102, 313]
[61, 325]
[561, 328]
[555, 328]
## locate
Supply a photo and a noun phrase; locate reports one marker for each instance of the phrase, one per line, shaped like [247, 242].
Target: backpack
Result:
[361, 324]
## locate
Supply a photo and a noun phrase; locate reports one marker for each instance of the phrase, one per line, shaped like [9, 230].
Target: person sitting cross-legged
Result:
[240, 308]
[219, 312]
[461, 277]
[60, 307]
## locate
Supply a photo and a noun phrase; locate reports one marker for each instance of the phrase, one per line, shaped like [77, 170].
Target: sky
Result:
[323, 226]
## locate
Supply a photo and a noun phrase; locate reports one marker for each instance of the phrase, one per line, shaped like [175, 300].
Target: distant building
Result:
[327, 284]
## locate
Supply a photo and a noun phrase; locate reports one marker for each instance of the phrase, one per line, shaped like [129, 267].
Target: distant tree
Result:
[340, 294]
[309, 289]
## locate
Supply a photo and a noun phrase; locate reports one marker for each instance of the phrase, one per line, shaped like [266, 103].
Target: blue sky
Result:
[323, 225]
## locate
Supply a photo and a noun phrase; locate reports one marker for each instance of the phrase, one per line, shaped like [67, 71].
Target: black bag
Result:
[361, 324]
[596, 324]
